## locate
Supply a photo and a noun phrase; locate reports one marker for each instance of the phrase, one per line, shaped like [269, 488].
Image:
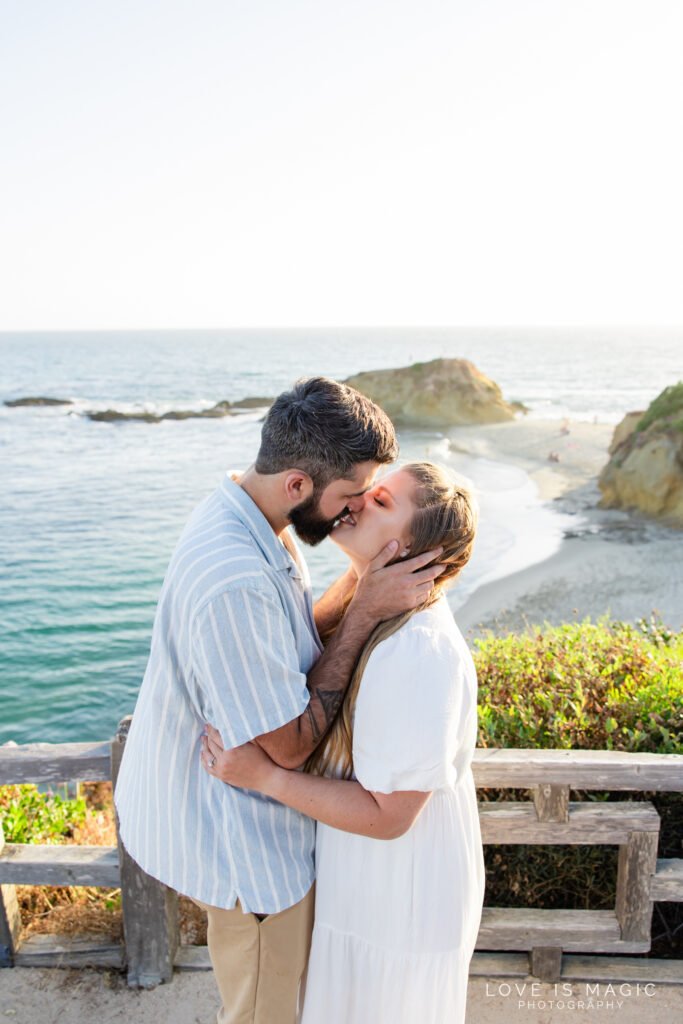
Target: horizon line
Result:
[349, 327]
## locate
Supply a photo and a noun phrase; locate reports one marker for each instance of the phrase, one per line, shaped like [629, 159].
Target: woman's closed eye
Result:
[380, 503]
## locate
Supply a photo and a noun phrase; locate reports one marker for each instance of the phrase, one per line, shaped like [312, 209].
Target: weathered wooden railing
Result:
[150, 910]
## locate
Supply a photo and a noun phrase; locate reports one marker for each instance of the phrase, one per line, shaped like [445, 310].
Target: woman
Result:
[395, 921]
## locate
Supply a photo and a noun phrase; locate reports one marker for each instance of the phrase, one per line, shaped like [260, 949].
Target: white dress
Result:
[396, 920]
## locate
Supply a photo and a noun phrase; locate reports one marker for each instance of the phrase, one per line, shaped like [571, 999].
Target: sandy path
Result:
[51, 996]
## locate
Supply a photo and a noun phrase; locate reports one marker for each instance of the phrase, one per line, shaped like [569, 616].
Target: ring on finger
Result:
[212, 762]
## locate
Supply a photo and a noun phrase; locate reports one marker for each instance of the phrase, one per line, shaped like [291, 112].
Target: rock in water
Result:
[114, 415]
[645, 471]
[216, 411]
[440, 393]
[18, 403]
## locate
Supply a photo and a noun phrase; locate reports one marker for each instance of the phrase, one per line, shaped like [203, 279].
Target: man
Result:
[236, 643]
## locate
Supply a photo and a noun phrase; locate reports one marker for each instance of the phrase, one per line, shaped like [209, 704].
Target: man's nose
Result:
[356, 503]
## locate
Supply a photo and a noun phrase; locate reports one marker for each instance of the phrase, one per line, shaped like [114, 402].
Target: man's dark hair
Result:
[325, 429]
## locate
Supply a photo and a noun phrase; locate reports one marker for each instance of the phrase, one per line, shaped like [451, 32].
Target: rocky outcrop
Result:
[215, 412]
[440, 393]
[114, 415]
[624, 429]
[17, 403]
[645, 471]
[253, 403]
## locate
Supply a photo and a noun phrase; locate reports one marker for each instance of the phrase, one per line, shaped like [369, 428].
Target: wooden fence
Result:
[150, 910]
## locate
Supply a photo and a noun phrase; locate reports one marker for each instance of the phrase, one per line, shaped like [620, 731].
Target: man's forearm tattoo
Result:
[330, 701]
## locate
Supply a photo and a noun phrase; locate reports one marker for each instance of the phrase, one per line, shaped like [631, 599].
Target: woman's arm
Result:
[328, 609]
[339, 803]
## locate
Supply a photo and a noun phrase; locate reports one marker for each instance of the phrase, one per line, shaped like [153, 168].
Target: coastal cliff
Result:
[443, 392]
[645, 470]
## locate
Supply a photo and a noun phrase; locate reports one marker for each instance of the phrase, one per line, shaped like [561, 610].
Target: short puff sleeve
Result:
[409, 714]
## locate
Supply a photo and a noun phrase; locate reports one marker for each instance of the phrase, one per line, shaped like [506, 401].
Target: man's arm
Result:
[382, 592]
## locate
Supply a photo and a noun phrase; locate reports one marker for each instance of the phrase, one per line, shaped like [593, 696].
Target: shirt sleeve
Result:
[246, 664]
[409, 715]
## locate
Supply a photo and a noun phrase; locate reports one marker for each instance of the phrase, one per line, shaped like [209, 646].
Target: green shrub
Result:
[605, 685]
[666, 406]
[32, 817]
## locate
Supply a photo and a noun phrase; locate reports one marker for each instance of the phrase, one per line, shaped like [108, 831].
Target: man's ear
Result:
[298, 486]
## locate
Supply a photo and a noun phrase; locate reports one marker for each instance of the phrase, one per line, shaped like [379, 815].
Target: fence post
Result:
[10, 919]
[150, 908]
[551, 802]
[637, 864]
[545, 963]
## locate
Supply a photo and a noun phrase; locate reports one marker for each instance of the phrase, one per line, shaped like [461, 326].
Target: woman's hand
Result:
[247, 767]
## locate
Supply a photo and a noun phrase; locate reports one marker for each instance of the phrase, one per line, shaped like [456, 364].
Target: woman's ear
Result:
[405, 550]
[298, 486]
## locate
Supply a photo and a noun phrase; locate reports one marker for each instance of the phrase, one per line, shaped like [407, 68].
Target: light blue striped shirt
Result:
[233, 640]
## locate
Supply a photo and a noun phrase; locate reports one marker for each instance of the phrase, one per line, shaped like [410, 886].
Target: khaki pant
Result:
[258, 964]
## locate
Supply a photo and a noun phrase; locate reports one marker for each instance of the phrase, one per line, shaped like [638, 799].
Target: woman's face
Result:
[386, 515]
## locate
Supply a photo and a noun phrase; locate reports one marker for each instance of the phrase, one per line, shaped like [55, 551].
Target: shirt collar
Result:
[251, 516]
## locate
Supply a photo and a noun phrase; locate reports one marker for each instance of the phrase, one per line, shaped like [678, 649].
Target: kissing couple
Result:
[261, 714]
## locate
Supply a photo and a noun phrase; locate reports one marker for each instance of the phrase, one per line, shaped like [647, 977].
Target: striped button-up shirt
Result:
[233, 640]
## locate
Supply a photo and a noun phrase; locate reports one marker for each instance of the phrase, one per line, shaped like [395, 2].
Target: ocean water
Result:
[90, 512]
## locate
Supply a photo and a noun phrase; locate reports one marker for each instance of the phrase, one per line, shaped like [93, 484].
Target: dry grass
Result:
[80, 910]
[77, 910]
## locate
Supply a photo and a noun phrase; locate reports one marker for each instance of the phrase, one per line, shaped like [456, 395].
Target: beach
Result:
[611, 561]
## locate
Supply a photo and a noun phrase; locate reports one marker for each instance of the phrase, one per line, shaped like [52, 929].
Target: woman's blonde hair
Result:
[446, 515]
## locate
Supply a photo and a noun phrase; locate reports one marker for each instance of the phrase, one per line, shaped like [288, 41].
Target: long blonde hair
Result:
[446, 515]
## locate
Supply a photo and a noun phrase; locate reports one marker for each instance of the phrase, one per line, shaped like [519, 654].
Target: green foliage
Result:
[668, 406]
[32, 817]
[605, 685]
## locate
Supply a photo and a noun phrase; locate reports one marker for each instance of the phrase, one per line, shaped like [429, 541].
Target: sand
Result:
[54, 996]
[611, 562]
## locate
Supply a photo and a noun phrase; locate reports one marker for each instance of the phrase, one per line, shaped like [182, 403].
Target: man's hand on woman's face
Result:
[384, 591]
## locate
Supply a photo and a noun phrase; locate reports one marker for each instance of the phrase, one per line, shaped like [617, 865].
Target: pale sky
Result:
[225, 163]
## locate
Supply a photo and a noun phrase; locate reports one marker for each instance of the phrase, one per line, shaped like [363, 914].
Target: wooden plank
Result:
[492, 767]
[192, 958]
[54, 762]
[579, 967]
[69, 951]
[589, 823]
[499, 965]
[22, 864]
[620, 968]
[633, 906]
[667, 882]
[580, 769]
[150, 909]
[552, 802]
[575, 931]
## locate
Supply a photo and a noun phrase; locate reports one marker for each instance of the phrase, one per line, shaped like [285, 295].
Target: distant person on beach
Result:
[236, 644]
[396, 921]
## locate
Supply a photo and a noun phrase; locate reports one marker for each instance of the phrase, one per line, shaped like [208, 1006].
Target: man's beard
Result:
[309, 525]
